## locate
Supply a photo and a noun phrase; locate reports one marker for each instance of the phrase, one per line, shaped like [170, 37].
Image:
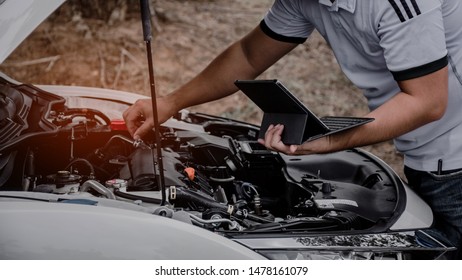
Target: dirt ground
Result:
[72, 49]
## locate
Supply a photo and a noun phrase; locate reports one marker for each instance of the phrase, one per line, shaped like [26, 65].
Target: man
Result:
[406, 55]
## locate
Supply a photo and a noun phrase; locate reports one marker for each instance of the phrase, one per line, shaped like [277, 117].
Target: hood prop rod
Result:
[147, 34]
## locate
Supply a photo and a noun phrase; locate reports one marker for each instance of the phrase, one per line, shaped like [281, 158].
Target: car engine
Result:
[214, 169]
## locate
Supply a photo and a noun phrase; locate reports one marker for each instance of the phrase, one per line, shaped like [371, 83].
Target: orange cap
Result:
[191, 172]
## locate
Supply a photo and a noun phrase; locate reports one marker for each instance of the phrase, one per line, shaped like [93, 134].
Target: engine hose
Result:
[95, 185]
[136, 197]
[232, 224]
[256, 218]
[90, 166]
[117, 137]
[183, 195]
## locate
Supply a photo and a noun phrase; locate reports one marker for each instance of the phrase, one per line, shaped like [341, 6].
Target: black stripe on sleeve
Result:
[420, 70]
[406, 8]
[397, 10]
[264, 27]
[416, 7]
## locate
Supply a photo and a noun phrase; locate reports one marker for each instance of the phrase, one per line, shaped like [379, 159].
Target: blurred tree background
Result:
[109, 11]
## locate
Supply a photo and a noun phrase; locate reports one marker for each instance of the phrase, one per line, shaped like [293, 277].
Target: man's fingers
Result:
[273, 141]
[273, 138]
[138, 118]
[132, 119]
[142, 130]
[276, 136]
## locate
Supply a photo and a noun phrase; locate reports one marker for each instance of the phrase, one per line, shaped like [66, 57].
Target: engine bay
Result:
[215, 171]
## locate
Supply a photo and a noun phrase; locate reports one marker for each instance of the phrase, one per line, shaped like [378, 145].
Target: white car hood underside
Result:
[19, 18]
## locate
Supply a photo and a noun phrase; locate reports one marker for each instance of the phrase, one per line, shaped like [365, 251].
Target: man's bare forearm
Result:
[424, 101]
[245, 59]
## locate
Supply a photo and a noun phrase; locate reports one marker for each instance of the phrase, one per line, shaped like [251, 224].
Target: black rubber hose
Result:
[82, 160]
[137, 197]
[185, 196]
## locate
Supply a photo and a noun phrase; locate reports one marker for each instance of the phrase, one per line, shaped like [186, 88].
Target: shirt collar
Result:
[334, 6]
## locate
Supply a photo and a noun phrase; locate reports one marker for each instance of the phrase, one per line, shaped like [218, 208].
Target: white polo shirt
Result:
[380, 42]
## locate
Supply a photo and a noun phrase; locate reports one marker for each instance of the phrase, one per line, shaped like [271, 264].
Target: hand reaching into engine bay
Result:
[139, 117]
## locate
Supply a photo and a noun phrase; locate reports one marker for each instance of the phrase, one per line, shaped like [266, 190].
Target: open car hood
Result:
[19, 18]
